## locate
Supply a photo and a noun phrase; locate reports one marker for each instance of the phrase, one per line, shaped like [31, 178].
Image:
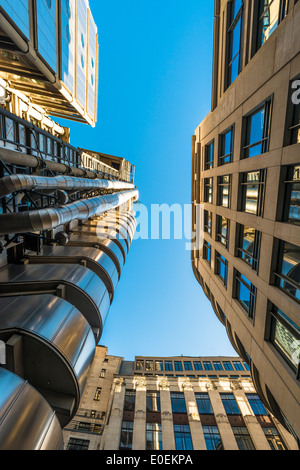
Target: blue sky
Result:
[155, 68]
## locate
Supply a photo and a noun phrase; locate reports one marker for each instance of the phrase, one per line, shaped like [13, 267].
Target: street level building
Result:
[173, 403]
[245, 194]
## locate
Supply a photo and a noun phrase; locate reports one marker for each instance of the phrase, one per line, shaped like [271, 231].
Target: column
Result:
[256, 433]
[139, 426]
[193, 417]
[223, 424]
[112, 440]
[167, 426]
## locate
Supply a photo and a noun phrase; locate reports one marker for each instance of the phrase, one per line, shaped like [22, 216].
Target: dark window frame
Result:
[232, 22]
[207, 250]
[261, 183]
[240, 251]
[223, 184]
[208, 158]
[267, 106]
[250, 310]
[221, 157]
[290, 283]
[208, 185]
[208, 218]
[221, 260]
[219, 235]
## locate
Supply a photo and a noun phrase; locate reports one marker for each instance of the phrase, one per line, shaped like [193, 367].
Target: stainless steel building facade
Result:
[245, 194]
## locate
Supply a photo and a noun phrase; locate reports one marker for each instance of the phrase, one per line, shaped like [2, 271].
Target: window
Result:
[238, 365]
[168, 365]
[217, 365]
[230, 404]
[234, 40]
[77, 444]
[139, 365]
[207, 251]
[209, 156]
[97, 394]
[178, 402]
[288, 269]
[159, 365]
[292, 195]
[212, 438]
[248, 245]
[198, 365]
[247, 367]
[103, 373]
[188, 365]
[208, 222]
[129, 402]
[256, 404]
[243, 438]
[257, 131]
[207, 365]
[221, 268]
[153, 436]
[153, 401]
[269, 14]
[183, 438]
[178, 365]
[253, 192]
[293, 114]
[285, 336]
[126, 435]
[226, 146]
[208, 190]
[149, 365]
[223, 230]
[246, 294]
[274, 439]
[203, 403]
[224, 191]
[227, 365]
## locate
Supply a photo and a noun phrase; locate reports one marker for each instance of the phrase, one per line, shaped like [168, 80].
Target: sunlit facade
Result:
[245, 194]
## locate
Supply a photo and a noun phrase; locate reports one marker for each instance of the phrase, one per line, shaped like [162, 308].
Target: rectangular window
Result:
[224, 183]
[208, 222]
[203, 403]
[129, 402]
[234, 40]
[288, 269]
[207, 365]
[257, 131]
[246, 294]
[178, 402]
[126, 435]
[249, 245]
[183, 438]
[212, 438]
[97, 394]
[256, 404]
[217, 365]
[253, 185]
[140, 365]
[103, 373]
[292, 195]
[178, 365]
[230, 404]
[208, 190]
[209, 156]
[159, 365]
[149, 365]
[168, 365]
[226, 146]
[243, 438]
[285, 336]
[153, 401]
[274, 439]
[77, 444]
[227, 365]
[238, 365]
[207, 251]
[269, 14]
[222, 234]
[188, 365]
[221, 268]
[198, 365]
[153, 436]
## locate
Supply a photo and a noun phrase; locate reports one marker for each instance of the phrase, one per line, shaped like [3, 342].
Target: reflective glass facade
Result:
[46, 31]
[19, 13]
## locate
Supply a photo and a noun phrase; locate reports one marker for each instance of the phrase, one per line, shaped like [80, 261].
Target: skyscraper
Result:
[66, 221]
[245, 194]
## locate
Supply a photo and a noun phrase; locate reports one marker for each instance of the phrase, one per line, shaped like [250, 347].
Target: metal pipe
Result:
[13, 183]
[46, 219]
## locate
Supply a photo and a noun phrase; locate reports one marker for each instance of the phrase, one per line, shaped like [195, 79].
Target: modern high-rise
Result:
[245, 194]
[66, 220]
[174, 404]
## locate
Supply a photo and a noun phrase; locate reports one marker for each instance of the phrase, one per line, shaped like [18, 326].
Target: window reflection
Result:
[288, 274]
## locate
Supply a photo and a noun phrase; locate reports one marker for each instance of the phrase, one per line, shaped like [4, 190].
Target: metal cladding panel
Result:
[81, 57]
[18, 11]
[46, 31]
[92, 66]
[68, 44]
[24, 410]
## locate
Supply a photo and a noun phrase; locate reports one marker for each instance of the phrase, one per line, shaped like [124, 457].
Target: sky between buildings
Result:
[155, 73]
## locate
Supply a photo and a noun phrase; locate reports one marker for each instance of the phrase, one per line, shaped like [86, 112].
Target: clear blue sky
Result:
[154, 89]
